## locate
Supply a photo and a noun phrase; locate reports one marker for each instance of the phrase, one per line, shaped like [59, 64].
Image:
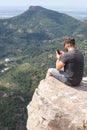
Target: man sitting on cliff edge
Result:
[69, 65]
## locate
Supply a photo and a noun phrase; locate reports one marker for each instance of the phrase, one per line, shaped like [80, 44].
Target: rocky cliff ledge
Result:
[56, 106]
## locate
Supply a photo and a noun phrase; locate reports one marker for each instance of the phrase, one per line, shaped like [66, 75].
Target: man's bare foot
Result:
[48, 73]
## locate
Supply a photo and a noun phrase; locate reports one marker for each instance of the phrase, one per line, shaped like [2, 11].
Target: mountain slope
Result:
[33, 26]
[37, 19]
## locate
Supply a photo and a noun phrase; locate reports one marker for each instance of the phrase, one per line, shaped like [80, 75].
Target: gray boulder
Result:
[56, 106]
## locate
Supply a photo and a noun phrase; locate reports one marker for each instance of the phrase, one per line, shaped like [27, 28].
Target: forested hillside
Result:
[27, 49]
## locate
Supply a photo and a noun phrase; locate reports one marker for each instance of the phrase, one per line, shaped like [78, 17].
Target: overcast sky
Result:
[51, 4]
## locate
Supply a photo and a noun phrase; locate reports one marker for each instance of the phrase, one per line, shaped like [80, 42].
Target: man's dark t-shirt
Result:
[74, 65]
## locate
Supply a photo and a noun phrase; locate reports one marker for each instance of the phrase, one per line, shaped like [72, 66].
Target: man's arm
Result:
[59, 63]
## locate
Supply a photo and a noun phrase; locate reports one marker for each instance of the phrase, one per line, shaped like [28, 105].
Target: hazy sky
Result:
[51, 4]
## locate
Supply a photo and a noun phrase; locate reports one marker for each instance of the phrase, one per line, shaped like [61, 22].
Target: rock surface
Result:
[56, 106]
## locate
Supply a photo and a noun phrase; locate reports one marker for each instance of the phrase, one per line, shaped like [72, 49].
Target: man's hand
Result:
[61, 52]
[59, 55]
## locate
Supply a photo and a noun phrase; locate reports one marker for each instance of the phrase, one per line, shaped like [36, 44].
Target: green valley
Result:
[28, 43]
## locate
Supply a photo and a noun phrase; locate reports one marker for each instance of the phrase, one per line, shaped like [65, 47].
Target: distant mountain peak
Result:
[34, 8]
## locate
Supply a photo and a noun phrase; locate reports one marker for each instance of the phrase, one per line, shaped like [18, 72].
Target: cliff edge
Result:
[56, 106]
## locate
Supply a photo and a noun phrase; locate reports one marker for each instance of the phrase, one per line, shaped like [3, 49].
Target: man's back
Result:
[74, 65]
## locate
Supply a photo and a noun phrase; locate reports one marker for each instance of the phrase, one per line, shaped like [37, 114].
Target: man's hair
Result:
[69, 40]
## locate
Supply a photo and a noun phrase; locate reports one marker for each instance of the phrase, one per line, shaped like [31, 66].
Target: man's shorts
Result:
[58, 74]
